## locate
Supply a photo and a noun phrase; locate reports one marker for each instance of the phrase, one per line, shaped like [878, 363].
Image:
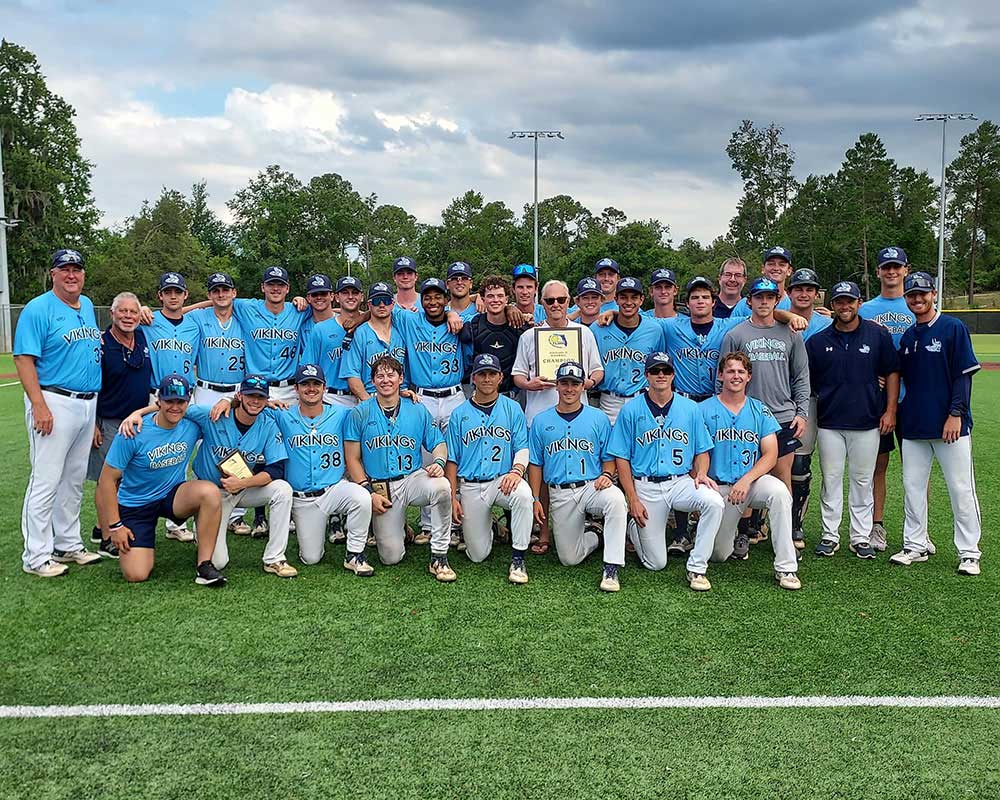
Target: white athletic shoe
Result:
[930, 546]
[968, 566]
[50, 569]
[878, 538]
[517, 572]
[239, 528]
[788, 580]
[179, 532]
[905, 558]
[80, 557]
[698, 583]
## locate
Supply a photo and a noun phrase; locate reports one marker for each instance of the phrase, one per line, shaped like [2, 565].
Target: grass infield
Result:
[856, 628]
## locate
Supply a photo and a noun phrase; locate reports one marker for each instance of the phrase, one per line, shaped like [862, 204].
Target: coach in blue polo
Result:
[847, 362]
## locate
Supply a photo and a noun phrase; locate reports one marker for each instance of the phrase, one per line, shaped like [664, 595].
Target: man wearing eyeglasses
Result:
[126, 373]
[732, 279]
[525, 278]
[541, 393]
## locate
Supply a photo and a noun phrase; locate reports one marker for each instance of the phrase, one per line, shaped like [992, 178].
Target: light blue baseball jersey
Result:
[365, 348]
[172, 348]
[65, 342]
[892, 314]
[539, 313]
[742, 308]
[434, 355]
[659, 445]
[154, 461]
[315, 446]
[570, 450]
[737, 437]
[325, 347]
[261, 444]
[623, 352]
[610, 305]
[817, 323]
[271, 341]
[221, 358]
[390, 448]
[467, 314]
[483, 445]
[695, 356]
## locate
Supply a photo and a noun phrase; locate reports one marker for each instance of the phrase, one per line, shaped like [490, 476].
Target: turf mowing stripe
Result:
[495, 704]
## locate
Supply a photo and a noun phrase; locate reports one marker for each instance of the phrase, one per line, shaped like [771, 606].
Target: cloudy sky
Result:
[414, 100]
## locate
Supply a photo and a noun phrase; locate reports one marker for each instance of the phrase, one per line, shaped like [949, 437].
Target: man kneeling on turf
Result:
[151, 468]
[257, 440]
[743, 432]
[383, 438]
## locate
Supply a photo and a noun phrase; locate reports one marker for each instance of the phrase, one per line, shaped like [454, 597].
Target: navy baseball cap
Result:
[309, 372]
[918, 282]
[174, 387]
[66, 258]
[892, 255]
[379, 290]
[845, 289]
[659, 359]
[217, 279]
[628, 285]
[588, 286]
[486, 362]
[762, 285]
[319, 283]
[404, 263]
[172, 280]
[254, 384]
[525, 271]
[275, 275]
[349, 282]
[778, 252]
[433, 284]
[606, 263]
[570, 371]
[699, 280]
[663, 276]
[459, 269]
[804, 277]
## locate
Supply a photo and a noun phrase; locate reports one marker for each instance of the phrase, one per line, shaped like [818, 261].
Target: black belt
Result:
[389, 479]
[313, 493]
[617, 394]
[484, 480]
[329, 390]
[68, 393]
[696, 397]
[281, 384]
[218, 387]
[657, 478]
[573, 485]
[440, 392]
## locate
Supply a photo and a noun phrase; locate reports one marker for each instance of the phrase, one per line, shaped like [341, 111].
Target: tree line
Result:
[833, 223]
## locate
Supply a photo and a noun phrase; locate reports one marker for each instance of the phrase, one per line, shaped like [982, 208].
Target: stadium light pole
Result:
[943, 119]
[6, 334]
[536, 135]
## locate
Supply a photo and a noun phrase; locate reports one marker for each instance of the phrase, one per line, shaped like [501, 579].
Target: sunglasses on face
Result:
[553, 300]
[380, 301]
[660, 371]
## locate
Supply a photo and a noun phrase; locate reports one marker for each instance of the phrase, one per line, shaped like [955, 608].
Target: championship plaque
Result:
[235, 466]
[381, 488]
[554, 346]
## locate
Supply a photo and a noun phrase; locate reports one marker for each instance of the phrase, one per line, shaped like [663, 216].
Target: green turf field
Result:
[856, 628]
[986, 346]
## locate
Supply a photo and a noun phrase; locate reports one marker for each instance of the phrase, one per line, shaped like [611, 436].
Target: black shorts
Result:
[787, 443]
[142, 520]
[887, 443]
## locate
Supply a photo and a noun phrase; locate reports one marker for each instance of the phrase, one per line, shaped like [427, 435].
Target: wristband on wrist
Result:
[367, 485]
[439, 462]
[116, 525]
[538, 499]
[610, 476]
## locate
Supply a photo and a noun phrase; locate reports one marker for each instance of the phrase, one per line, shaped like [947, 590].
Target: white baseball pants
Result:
[959, 475]
[860, 450]
[765, 492]
[277, 495]
[50, 516]
[285, 394]
[311, 514]
[567, 511]
[808, 438]
[659, 498]
[343, 400]
[421, 490]
[611, 404]
[441, 409]
[478, 500]
[209, 397]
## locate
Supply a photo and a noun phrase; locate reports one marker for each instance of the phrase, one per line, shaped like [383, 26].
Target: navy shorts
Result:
[787, 443]
[142, 520]
[887, 443]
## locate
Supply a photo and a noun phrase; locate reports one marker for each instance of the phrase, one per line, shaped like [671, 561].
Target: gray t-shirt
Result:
[780, 367]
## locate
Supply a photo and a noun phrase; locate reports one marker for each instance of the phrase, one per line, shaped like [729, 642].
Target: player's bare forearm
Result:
[594, 379]
[27, 373]
[768, 457]
[196, 306]
[352, 459]
[106, 498]
[892, 392]
[451, 473]
[357, 387]
[535, 479]
[625, 479]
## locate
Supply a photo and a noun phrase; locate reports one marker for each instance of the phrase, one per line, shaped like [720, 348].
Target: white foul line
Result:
[15, 383]
[495, 704]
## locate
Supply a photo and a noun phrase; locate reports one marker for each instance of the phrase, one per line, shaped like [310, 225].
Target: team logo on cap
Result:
[171, 277]
[217, 277]
[403, 262]
[891, 252]
[69, 257]
[379, 287]
[605, 262]
[318, 281]
[275, 272]
[842, 287]
[309, 371]
[628, 283]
